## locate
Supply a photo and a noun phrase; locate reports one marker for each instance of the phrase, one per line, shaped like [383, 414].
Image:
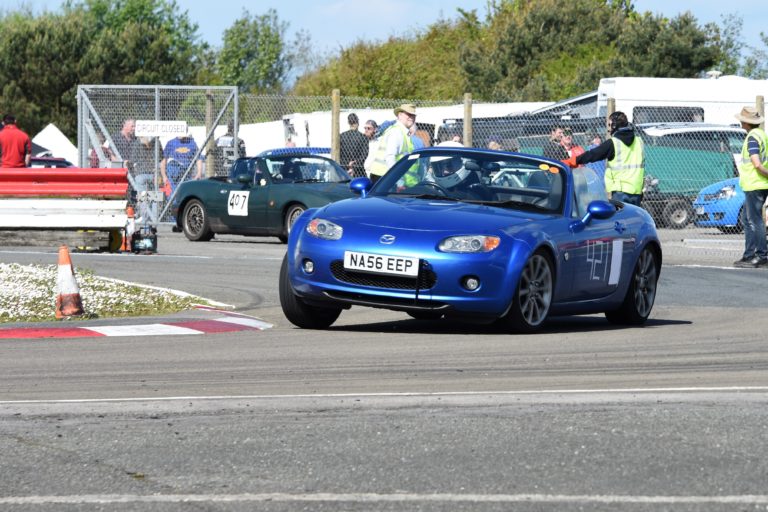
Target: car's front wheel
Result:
[297, 311]
[195, 223]
[641, 292]
[533, 296]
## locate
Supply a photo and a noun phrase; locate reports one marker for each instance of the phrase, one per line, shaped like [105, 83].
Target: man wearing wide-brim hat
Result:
[395, 142]
[753, 179]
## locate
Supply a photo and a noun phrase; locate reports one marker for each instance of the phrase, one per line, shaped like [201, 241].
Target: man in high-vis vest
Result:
[753, 179]
[625, 155]
[395, 142]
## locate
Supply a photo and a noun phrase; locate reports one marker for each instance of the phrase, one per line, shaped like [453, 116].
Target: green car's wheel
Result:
[297, 311]
[291, 215]
[195, 223]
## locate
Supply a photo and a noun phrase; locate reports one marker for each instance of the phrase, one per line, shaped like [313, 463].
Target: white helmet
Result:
[449, 171]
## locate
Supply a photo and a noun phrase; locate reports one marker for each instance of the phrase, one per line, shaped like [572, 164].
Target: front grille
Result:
[426, 280]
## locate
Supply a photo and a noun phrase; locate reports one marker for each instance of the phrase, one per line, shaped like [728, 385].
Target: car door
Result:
[246, 203]
[599, 251]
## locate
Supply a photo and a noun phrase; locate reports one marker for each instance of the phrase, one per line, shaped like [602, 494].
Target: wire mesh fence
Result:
[691, 187]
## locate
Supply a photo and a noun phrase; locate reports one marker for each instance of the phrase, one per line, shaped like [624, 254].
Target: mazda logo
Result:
[387, 239]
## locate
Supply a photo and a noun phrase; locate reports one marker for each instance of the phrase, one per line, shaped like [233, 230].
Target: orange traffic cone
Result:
[130, 227]
[68, 301]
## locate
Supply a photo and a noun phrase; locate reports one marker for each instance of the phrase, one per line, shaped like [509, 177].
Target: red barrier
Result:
[64, 182]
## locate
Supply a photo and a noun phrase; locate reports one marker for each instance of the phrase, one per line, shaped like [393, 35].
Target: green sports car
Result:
[262, 196]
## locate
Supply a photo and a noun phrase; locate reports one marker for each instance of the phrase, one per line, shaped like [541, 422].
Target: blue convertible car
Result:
[481, 235]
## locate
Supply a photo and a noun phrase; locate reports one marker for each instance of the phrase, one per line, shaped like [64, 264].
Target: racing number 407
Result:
[238, 202]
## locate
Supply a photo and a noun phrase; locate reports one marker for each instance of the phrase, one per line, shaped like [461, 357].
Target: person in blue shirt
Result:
[177, 158]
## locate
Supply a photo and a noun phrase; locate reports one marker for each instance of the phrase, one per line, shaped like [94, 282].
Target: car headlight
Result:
[469, 243]
[726, 192]
[324, 229]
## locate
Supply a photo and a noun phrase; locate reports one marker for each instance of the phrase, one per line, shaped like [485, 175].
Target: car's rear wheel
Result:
[291, 215]
[195, 223]
[297, 311]
[533, 296]
[641, 293]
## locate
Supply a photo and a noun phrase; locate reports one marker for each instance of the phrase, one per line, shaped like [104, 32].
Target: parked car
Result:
[49, 161]
[720, 205]
[437, 236]
[261, 196]
[680, 159]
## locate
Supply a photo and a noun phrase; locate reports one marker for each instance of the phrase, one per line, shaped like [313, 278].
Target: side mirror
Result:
[361, 186]
[600, 209]
[597, 209]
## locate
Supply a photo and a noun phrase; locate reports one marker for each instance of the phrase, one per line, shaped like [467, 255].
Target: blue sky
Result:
[339, 23]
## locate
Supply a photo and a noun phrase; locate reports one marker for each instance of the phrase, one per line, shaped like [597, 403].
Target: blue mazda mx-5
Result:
[481, 235]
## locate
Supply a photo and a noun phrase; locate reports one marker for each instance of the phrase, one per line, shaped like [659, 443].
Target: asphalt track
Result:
[383, 412]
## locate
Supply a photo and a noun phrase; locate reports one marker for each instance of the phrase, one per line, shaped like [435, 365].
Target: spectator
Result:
[369, 130]
[420, 138]
[624, 153]
[570, 147]
[553, 148]
[15, 145]
[93, 156]
[289, 143]
[395, 142]
[494, 142]
[178, 156]
[224, 154]
[126, 142]
[353, 148]
[753, 179]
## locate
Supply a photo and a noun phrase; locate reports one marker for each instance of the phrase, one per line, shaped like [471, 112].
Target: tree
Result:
[731, 44]
[652, 45]
[544, 49]
[255, 55]
[420, 66]
[40, 67]
[140, 42]
[45, 58]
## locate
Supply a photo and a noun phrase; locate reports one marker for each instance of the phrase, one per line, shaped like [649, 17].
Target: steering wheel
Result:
[478, 190]
[435, 186]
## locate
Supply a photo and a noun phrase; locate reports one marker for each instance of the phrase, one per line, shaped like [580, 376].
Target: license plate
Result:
[381, 264]
[699, 210]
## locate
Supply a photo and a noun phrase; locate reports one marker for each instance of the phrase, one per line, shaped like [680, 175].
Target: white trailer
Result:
[712, 100]
[314, 129]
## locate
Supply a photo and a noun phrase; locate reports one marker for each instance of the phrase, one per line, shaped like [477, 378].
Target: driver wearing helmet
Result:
[449, 171]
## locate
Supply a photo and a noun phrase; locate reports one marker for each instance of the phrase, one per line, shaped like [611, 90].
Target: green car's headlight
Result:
[324, 229]
[469, 244]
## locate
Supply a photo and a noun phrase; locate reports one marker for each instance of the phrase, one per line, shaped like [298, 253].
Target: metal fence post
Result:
[335, 110]
[209, 153]
[611, 108]
[467, 136]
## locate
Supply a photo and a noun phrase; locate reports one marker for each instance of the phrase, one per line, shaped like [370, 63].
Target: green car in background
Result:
[261, 196]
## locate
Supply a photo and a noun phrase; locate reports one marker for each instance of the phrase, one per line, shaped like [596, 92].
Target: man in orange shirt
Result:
[15, 146]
